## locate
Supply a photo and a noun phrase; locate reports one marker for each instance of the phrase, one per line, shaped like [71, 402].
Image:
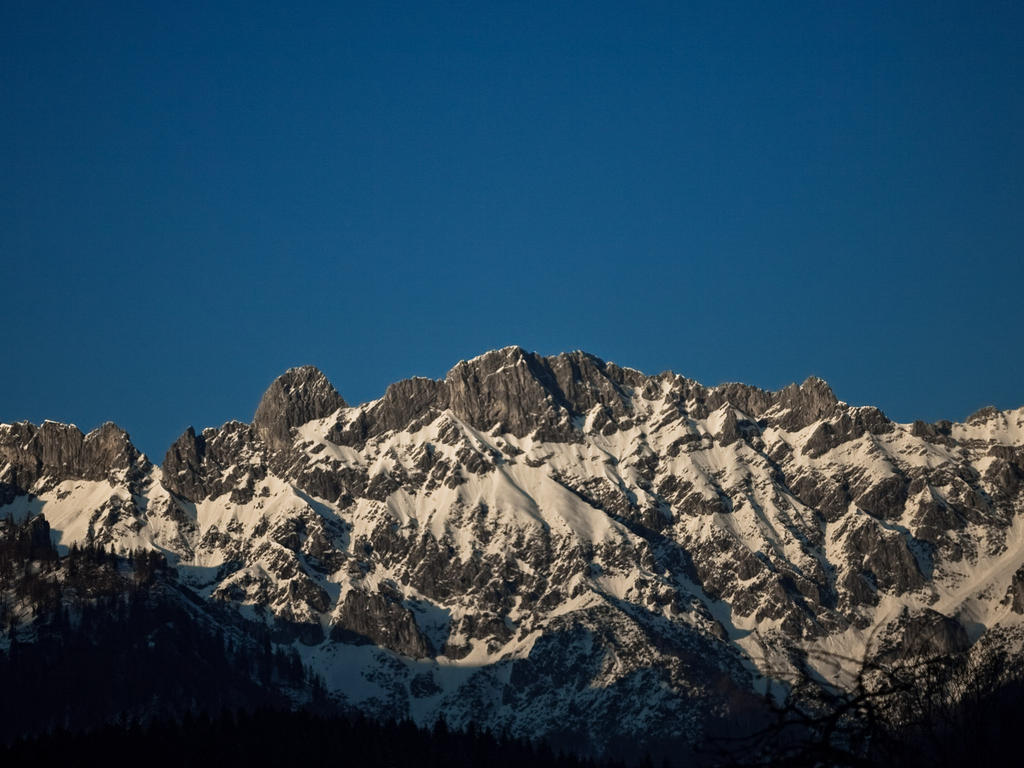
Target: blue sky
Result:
[196, 196]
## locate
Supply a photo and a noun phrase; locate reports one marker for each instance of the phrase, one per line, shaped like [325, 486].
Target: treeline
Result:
[139, 656]
[292, 738]
[93, 637]
[36, 581]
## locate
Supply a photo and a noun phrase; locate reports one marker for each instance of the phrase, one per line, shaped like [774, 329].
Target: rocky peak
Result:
[585, 381]
[407, 400]
[982, 415]
[521, 392]
[61, 452]
[748, 399]
[297, 396]
[182, 467]
[205, 465]
[510, 388]
[58, 447]
[109, 447]
[803, 405]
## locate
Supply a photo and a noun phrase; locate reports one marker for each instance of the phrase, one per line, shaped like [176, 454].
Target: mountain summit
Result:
[297, 396]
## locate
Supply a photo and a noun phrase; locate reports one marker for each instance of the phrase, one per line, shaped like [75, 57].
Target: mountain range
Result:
[557, 546]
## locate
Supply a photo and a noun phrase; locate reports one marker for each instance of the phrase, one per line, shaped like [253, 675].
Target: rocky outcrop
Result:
[228, 460]
[297, 396]
[924, 635]
[183, 471]
[37, 458]
[800, 406]
[515, 391]
[882, 558]
[380, 619]
[1015, 593]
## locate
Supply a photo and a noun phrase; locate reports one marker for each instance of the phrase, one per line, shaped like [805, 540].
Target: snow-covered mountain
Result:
[560, 545]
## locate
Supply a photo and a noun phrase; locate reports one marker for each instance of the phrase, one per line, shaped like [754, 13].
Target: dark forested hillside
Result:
[295, 738]
[105, 638]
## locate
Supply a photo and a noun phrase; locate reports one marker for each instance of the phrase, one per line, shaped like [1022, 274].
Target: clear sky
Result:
[196, 196]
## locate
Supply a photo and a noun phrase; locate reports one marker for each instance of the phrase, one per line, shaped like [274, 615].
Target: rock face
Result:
[297, 396]
[39, 457]
[226, 460]
[511, 390]
[546, 544]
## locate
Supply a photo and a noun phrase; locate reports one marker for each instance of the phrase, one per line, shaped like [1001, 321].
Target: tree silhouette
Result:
[928, 710]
